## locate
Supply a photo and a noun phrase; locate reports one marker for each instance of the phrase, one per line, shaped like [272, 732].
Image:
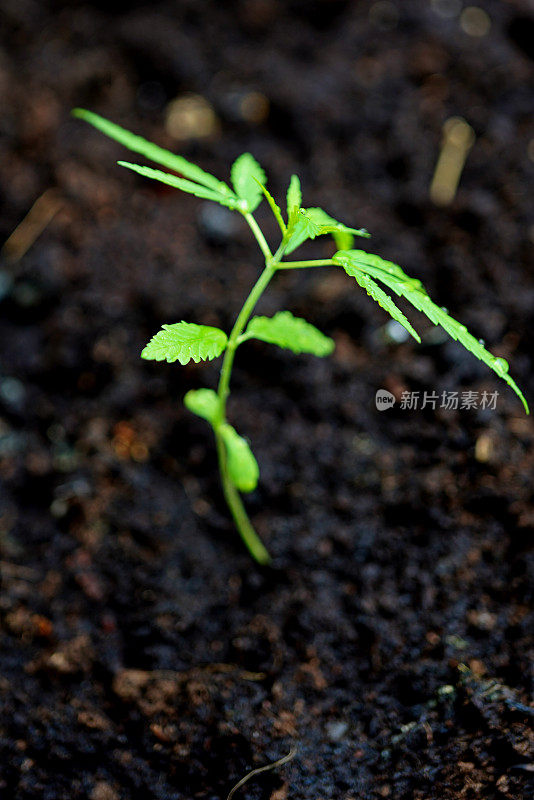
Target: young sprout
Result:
[187, 341]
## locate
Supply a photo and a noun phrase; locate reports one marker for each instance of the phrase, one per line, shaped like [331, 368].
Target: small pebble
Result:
[13, 392]
[218, 224]
[395, 333]
[336, 730]
[103, 791]
[190, 117]
[475, 22]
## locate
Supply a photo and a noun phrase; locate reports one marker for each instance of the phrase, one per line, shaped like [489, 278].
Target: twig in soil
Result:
[34, 223]
[458, 139]
[274, 765]
[444, 694]
[521, 707]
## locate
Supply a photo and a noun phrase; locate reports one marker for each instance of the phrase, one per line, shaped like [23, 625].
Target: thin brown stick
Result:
[34, 223]
[292, 753]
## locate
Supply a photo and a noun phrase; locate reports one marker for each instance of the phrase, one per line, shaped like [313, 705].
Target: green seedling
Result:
[187, 341]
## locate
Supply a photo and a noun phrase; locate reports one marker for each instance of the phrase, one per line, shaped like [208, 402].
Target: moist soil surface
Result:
[142, 652]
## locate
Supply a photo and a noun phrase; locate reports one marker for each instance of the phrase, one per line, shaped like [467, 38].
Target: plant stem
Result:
[260, 238]
[242, 319]
[243, 524]
[324, 262]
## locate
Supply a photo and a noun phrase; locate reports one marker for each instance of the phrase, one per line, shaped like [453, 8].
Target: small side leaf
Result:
[343, 235]
[314, 222]
[275, 208]
[413, 290]
[294, 195]
[152, 151]
[184, 342]
[246, 175]
[295, 233]
[300, 228]
[242, 466]
[181, 183]
[204, 403]
[289, 332]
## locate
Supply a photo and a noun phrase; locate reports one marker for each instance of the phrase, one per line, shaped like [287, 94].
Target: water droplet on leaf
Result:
[501, 365]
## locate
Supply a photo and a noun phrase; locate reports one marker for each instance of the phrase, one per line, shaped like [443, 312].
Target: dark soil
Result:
[143, 654]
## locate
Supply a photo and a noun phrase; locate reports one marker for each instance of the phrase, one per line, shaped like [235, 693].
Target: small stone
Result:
[336, 730]
[12, 392]
[72, 656]
[190, 117]
[103, 791]
[217, 223]
[484, 448]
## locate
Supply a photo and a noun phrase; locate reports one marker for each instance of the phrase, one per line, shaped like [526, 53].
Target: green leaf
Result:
[294, 195]
[152, 151]
[396, 279]
[246, 175]
[295, 233]
[181, 183]
[373, 262]
[299, 229]
[184, 342]
[289, 332]
[324, 221]
[383, 299]
[242, 466]
[275, 208]
[204, 403]
[314, 222]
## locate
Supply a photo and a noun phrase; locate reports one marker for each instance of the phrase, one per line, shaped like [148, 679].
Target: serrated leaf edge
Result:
[193, 351]
[413, 290]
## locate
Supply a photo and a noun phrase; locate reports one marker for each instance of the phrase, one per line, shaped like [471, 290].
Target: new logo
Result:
[384, 399]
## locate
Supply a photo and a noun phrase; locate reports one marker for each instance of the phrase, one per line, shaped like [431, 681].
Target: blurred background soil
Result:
[142, 653]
